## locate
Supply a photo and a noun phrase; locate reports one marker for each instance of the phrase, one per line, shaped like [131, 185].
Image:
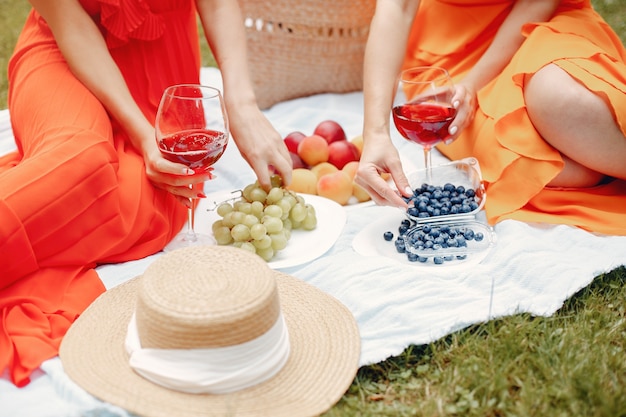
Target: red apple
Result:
[330, 130]
[292, 140]
[342, 152]
[296, 161]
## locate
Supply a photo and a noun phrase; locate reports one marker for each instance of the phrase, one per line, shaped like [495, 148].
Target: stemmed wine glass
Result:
[192, 129]
[427, 111]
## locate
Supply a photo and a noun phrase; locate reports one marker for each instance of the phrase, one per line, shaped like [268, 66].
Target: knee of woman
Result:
[553, 96]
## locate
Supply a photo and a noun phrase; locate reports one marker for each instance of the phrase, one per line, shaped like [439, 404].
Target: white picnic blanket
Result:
[532, 268]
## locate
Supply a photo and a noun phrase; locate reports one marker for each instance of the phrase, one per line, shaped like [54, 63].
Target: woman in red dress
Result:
[87, 184]
[541, 104]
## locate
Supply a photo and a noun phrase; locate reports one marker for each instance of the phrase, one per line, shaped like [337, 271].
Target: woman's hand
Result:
[260, 144]
[172, 177]
[380, 156]
[464, 101]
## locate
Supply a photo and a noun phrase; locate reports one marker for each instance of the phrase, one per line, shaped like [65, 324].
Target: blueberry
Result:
[413, 211]
[427, 228]
[460, 189]
[448, 258]
[452, 243]
[438, 260]
[478, 236]
[449, 187]
[461, 257]
[412, 257]
[402, 229]
[470, 192]
[422, 259]
[388, 236]
[423, 215]
[400, 247]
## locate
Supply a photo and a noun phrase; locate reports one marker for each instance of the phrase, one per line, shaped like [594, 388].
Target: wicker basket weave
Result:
[300, 48]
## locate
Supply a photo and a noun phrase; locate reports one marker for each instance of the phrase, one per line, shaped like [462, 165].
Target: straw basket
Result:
[305, 47]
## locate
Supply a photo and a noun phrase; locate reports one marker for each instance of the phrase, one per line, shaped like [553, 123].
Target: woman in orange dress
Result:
[541, 103]
[87, 184]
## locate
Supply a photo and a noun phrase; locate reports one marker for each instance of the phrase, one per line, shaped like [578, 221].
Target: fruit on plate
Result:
[342, 152]
[261, 222]
[336, 186]
[313, 150]
[303, 181]
[330, 130]
[292, 140]
[327, 150]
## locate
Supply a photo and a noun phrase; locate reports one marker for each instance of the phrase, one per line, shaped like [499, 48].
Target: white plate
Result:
[370, 242]
[304, 245]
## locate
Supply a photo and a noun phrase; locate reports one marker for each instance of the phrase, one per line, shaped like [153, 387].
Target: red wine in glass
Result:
[199, 149]
[192, 129]
[425, 123]
[426, 112]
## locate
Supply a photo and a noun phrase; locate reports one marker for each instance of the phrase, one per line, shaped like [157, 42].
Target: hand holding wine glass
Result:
[192, 129]
[427, 111]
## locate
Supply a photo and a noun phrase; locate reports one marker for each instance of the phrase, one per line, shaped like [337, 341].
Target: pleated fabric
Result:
[75, 193]
[516, 162]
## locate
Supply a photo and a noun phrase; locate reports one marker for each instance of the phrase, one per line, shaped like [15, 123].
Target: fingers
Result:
[464, 102]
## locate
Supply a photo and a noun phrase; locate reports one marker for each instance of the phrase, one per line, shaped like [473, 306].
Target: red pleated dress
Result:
[516, 162]
[75, 194]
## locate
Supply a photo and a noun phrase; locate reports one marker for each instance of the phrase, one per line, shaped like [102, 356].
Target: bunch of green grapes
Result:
[261, 221]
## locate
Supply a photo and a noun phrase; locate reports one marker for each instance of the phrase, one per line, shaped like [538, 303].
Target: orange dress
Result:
[75, 194]
[516, 162]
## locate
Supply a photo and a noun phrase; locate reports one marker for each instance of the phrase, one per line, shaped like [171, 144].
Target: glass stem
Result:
[428, 165]
[191, 219]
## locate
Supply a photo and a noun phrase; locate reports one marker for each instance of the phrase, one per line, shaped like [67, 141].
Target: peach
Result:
[358, 142]
[336, 186]
[350, 168]
[323, 168]
[303, 181]
[313, 150]
[357, 191]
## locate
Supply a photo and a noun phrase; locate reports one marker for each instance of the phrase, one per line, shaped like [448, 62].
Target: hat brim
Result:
[324, 358]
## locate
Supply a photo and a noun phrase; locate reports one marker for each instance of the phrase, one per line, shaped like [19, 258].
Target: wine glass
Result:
[192, 129]
[427, 111]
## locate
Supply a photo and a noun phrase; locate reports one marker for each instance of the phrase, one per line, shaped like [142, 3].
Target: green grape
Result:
[240, 233]
[258, 194]
[258, 231]
[273, 210]
[298, 213]
[263, 243]
[310, 221]
[223, 209]
[257, 209]
[272, 224]
[279, 241]
[276, 181]
[287, 233]
[275, 195]
[248, 246]
[243, 206]
[246, 193]
[217, 224]
[285, 207]
[222, 235]
[267, 254]
[250, 220]
[287, 225]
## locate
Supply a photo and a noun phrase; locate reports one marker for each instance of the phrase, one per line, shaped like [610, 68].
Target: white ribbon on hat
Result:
[211, 370]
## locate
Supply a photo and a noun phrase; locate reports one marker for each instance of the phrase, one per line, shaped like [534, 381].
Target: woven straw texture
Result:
[300, 48]
[324, 338]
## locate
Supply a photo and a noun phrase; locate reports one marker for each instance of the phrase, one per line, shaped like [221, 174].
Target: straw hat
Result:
[214, 299]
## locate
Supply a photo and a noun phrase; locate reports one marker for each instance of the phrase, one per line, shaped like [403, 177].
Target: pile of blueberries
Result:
[431, 238]
[431, 201]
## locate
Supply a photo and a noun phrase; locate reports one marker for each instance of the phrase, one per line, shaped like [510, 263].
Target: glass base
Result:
[185, 240]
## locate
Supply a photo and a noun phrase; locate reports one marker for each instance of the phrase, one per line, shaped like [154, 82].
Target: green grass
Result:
[570, 364]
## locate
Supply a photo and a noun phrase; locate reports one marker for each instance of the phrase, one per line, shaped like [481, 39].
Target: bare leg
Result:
[579, 124]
